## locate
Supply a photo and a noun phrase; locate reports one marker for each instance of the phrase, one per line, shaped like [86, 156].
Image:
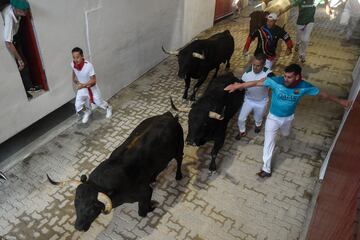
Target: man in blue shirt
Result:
[286, 94]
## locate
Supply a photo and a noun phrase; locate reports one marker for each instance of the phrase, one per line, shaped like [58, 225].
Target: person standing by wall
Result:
[83, 75]
[12, 15]
[236, 5]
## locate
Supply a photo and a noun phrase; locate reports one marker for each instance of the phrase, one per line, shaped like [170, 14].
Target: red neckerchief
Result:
[296, 82]
[79, 66]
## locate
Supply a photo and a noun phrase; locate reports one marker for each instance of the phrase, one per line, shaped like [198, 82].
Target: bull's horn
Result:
[169, 52]
[73, 183]
[215, 115]
[2, 175]
[178, 109]
[103, 198]
[198, 55]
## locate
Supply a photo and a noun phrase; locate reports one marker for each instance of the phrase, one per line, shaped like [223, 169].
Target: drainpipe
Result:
[87, 12]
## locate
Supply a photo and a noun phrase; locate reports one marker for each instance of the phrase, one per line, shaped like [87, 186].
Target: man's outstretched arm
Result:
[235, 86]
[343, 102]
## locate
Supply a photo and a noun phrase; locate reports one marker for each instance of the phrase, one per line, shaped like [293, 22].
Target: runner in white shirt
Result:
[256, 98]
[88, 92]
[12, 15]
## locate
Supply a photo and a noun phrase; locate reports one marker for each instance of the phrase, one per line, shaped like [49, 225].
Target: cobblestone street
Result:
[234, 203]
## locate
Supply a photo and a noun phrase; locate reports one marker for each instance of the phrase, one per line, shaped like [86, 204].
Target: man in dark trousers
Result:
[268, 37]
[12, 16]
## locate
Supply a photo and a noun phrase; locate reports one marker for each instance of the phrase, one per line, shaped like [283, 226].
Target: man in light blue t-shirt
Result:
[286, 94]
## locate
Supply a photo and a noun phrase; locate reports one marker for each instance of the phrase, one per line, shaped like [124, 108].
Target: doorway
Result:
[31, 52]
[223, 8]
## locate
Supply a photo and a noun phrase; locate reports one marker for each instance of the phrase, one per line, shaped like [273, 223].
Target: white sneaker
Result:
[78, 117]
[86, 116]
[108, 112]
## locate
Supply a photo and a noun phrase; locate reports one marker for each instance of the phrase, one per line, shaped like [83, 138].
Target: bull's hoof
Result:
[192, 98]
[178, 176]
[185, 96]
[154, 204]
[142, 213]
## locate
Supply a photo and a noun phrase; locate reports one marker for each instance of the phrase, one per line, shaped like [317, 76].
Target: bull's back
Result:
[145, 153]
[217, 85]
[230, 101]
[215, 98]
[223, 43]
[152, 144]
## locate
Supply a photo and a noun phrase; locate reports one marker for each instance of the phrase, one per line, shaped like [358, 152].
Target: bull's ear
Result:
[215, 115]
[83, 178]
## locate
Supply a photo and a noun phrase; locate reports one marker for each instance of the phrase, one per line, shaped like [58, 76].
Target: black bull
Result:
[125, 177]
[199, 57]
[210, 115]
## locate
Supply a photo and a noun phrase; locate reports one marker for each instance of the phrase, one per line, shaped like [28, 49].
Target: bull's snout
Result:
[82, 227]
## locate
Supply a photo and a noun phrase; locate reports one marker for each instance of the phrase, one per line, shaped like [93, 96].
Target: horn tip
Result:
[51, 181]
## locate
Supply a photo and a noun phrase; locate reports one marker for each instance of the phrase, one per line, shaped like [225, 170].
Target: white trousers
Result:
[353, 23]
[258, 107]
[83, 97]
[272, 126]
[303, 33]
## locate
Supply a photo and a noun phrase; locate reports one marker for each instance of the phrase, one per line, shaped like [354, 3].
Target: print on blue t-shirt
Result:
[284, 100]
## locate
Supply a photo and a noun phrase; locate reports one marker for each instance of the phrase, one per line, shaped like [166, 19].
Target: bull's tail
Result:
[181, 109]
[173, 105]
[52, 181]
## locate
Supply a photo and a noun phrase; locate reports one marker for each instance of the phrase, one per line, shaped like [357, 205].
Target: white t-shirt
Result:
[86, 72]
[259, 93]
[353, 7]
[11, 23]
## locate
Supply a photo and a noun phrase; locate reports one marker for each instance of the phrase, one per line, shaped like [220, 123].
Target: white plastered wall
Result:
[124, 37]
